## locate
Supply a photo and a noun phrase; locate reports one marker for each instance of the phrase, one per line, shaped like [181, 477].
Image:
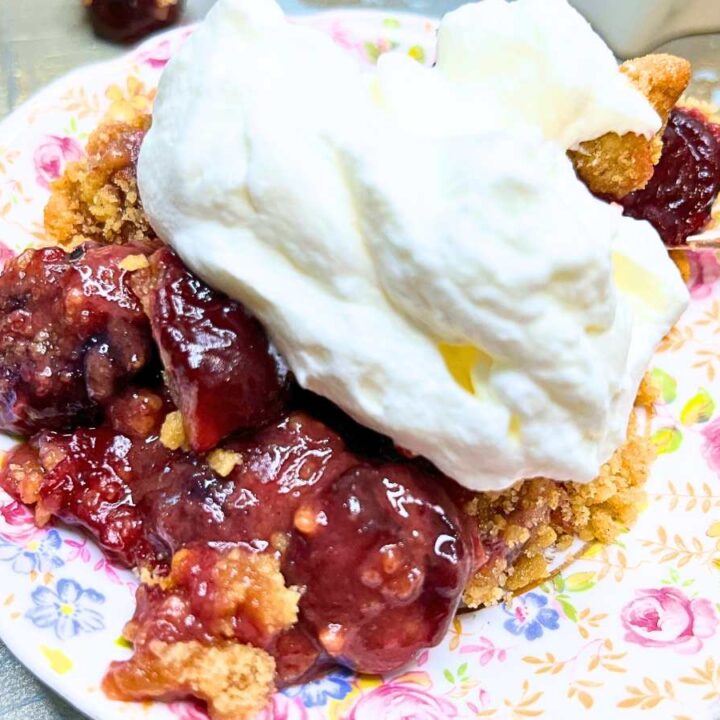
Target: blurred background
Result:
[43, 39]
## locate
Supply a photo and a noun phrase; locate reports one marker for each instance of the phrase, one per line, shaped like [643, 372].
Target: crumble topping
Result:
[97, 197]
[223, 461]
[616, 165]
[234, 680]
[245, 584]
[134, 262]
[540, 514]
[172, 432]
[192, 628]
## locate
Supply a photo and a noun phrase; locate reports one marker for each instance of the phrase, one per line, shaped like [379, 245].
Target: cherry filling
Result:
[410, 560]
[94, 477]
[72, 334]
[679, 197]
[380, 551]
[221, 371]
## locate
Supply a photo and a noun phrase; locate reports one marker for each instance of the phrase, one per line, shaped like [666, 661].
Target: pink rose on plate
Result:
[157, 56]
[5, 253]
[51, 157]
[666, 617]
[396, 701]
[17, 523]
[703, 273]
[711, 444]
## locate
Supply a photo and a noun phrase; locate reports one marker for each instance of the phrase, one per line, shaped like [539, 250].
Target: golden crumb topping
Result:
[215, 587]
[224, 461]
[236, 681]
[616, 165]
[97, 198]
[134, 262]
[172, 432]
[540, 514]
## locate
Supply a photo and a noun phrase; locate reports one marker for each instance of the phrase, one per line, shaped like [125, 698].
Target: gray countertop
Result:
[43, 39]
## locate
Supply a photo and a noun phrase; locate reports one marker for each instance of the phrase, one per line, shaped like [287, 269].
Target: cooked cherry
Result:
[128, 20]
[255, 504]
[679, 197]
[222, 373]
[95, 477]
[384, 558]
[72, 333]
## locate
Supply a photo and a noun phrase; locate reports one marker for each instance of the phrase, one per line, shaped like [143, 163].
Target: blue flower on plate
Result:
[68, 609]
[317, 692]
[37, 555]
[530, 616]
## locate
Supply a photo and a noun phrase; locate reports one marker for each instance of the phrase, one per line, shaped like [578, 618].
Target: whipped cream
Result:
[415, 240]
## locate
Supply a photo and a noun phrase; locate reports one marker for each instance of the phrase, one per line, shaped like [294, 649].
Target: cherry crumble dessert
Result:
[274, 537]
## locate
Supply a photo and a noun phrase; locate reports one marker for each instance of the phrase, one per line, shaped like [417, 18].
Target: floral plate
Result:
[628, 631]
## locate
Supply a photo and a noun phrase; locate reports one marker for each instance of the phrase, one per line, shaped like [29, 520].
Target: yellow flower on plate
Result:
[126, 104]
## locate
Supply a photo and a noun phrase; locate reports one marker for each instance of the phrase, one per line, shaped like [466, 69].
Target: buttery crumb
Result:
[97, 197]
[172, 432]
[134, 262]
[648, 394]
[615, 164]
[540, 515]
[224, 461]
[280, 541]
[236, 681]
[149, 576]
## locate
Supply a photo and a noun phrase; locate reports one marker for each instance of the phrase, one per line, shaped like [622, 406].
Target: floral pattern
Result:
[38, 555]
[317, 692]
[531, 616]
[396, 701]
[630, 630]
[68, 610]
[666, 617]
[702, 271]
[285, 708]
[52, 155]
[711, 444]
[17, 523]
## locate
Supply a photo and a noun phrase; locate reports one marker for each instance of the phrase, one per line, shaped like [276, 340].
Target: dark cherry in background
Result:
[129, 20]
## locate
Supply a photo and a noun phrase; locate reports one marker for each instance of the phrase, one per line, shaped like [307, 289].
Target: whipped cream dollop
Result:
[415, 239]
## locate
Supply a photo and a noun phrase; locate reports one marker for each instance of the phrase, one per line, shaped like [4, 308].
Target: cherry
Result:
[679, 197]
[384, 558]
[221, 370]
[72, 334]
[129, 20]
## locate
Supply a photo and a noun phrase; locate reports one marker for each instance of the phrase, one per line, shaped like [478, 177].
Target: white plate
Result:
[630, 631]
